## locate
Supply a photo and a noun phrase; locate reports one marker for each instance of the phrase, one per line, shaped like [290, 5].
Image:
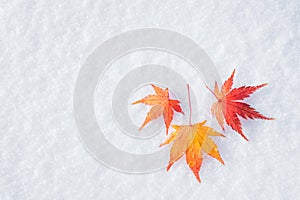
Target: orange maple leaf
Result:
[228, 105]
[192, 140]
[161, 105]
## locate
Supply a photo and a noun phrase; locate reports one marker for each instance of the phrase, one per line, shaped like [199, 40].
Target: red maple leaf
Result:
[229, 105]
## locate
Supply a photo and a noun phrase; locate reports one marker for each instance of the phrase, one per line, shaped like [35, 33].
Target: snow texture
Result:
[43, 45]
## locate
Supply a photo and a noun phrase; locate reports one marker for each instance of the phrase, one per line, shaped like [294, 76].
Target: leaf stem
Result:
[211, 91]
[190, 105]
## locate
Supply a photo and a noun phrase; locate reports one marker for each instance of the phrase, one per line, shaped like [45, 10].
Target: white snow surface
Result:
[43, 45]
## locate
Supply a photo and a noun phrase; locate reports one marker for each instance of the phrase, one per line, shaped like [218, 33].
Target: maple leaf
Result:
[192, 140]
[161, 105]
[229, 105]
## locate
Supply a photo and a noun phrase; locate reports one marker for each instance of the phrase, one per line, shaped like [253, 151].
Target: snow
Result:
[43, 45]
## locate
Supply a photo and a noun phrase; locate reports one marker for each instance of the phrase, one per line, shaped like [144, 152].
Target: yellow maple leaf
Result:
[193, 140]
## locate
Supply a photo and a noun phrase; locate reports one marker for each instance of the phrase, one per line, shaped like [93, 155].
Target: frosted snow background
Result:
[43, 45]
